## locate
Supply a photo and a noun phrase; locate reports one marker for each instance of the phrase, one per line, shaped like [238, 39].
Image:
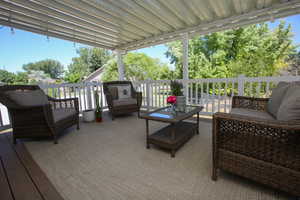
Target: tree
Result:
[51, 67]
[294, 64]
[21, 78]
[6, 77]
[254, 50]
[138, 66]
[89, 60]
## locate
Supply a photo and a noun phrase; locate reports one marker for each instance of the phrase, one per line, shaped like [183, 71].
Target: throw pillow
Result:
[28, 98]
[290, 106]
[275, 100]
[124, 91]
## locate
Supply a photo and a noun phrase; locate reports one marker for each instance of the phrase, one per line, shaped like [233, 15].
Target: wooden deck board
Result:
[5, 192]
[24, 178]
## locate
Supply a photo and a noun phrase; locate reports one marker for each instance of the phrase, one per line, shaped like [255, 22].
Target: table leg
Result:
[172, 153]
[147, 134]
[173, 138]
[197, 123]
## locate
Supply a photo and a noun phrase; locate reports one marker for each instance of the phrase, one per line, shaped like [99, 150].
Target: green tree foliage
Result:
[294, 64]
[51, 67]
[7, 77]
[254, 51]
[88, 60]
[21, 78]
[138, 66]
[12, 78]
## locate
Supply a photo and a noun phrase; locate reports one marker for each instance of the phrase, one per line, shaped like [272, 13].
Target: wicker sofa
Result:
[118, 104]
[40, 120]
[252, 143]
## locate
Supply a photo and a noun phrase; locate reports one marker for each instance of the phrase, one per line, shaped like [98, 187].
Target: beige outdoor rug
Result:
[109, 161]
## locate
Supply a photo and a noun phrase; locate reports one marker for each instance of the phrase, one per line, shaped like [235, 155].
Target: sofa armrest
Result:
[250, 103]
[226, 126]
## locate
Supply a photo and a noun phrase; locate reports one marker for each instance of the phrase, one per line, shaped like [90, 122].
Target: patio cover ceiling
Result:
[134, 24]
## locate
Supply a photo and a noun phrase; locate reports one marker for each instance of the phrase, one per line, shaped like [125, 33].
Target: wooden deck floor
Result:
[20, 177]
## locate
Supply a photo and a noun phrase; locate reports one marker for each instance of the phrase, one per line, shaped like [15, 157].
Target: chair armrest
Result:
[109, 100]
[250, 103]
[139, 98]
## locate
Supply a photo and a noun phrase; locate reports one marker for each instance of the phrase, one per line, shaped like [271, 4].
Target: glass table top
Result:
[172, 112]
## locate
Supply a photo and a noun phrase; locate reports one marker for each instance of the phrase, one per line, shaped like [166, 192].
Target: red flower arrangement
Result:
[171, 99]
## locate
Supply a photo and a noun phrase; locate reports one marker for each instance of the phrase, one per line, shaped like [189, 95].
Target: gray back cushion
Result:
[28, 98]
[290, 106]
[275, 100]
[113, 91]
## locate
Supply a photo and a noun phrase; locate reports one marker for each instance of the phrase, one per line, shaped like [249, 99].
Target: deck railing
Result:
[214, 94]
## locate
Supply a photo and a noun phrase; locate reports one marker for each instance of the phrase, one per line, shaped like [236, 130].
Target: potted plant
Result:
[88, 115]
[98, 111]
[177, 90]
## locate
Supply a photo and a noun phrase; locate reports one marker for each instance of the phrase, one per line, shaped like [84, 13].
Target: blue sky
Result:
[23, 47]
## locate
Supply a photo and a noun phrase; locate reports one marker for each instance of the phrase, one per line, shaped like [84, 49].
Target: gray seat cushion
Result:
[125, 102]
[290, 106]
[275, 100]
[63, 113]
[28, 98]
[252, 113]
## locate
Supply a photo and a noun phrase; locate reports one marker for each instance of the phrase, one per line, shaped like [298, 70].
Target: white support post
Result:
[120, 63]
[148, 95]
[88, 96]
[185, 62]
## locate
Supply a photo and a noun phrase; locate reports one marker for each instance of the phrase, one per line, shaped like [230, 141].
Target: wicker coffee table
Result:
[178, 132]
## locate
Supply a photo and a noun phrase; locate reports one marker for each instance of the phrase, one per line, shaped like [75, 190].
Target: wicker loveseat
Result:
[41, 120]
[252, 143]
[122, 98]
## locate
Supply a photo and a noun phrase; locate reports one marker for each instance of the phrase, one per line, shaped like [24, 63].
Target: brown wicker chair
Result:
[39, 121]
[112, 100]
[263, 150]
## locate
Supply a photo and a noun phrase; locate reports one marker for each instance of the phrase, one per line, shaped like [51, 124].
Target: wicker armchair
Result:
[119, 106]
[41, 120]
[263, 150]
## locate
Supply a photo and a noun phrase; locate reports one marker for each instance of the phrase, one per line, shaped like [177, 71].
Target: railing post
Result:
[241, 84]
[148, 94]
[185, 63]
[88, 96]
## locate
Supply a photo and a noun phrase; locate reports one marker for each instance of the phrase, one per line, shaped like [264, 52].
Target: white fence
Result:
[214, 94]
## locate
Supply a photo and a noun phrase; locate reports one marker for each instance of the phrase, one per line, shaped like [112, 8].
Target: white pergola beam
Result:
[142, 14]
[108, 26]
[95, 11]
[21, 18]
[53, 34]
[185, 61]
[157, 17]
[12, 9]
[120, 63]
[133, 24]
[278, 11]
[58, 14]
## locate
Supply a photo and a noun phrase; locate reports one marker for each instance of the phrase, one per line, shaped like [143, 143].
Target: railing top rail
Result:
[201, 80]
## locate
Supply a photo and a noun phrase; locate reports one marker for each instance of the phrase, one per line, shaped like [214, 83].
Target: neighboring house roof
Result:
[94, 75]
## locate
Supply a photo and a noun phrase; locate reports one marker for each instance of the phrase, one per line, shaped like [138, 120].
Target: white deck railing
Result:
[214, 94]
